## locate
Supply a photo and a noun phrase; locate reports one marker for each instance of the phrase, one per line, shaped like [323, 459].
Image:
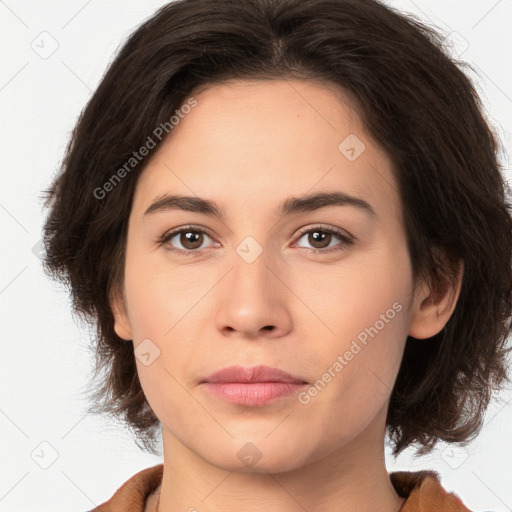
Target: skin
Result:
[248, 146]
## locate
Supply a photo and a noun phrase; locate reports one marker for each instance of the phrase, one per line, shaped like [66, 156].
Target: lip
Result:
[251, 375]
[252, 386]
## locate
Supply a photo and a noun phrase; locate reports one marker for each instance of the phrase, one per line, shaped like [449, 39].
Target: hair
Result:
[413, 99]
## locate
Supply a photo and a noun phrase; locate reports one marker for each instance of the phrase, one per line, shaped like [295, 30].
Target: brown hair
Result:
[413, 99]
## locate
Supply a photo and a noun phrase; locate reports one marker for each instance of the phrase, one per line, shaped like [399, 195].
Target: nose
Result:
[254, 299]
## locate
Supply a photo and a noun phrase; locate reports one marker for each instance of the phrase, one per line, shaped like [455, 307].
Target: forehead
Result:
[251, 141]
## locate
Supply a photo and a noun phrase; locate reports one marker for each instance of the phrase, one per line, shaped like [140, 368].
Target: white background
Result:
[45, 361]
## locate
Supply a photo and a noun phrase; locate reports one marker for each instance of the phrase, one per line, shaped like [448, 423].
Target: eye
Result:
[190, 238]
[320, 238]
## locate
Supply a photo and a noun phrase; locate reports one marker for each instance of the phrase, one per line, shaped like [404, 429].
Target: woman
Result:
[288, 222]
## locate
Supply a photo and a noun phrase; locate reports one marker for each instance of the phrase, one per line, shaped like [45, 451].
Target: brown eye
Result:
[321, 240]
[185, 240]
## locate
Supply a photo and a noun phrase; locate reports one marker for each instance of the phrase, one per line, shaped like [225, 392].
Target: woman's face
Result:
[321, 289]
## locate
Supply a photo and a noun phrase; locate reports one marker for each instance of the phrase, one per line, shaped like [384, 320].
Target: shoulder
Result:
[132, 495]
[424, 493]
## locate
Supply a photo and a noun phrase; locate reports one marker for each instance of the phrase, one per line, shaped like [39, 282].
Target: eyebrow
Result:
[290, 206]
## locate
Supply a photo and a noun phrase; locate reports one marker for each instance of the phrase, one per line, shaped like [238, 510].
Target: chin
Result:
[257, 455]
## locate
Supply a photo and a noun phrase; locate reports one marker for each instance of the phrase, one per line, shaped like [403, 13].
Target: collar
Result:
[422, 490]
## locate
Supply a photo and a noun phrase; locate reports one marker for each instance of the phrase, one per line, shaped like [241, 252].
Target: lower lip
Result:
[252, 394]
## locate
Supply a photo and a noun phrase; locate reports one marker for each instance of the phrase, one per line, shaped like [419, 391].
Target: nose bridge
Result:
[253, 298]
[250, 275]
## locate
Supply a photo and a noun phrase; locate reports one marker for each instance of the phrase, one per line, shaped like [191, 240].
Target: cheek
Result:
[160, 302]
[351, 296]
[355, 368]
[157, 327]
[361, 311]
[159, 295]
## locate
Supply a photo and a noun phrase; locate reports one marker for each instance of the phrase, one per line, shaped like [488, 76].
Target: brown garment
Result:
[422, 489]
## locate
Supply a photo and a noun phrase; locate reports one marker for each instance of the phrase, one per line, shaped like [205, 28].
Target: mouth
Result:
[254, 386]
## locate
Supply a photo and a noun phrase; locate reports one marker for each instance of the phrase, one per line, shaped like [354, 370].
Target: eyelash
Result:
[347, 240]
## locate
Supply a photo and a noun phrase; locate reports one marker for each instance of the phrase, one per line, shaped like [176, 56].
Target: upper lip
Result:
[252, 374]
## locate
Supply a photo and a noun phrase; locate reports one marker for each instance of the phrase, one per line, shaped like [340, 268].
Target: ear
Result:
[121, 322]
[432, 308]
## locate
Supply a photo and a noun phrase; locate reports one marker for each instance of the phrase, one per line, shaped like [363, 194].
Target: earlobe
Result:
[433, 308]
[121, 322]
